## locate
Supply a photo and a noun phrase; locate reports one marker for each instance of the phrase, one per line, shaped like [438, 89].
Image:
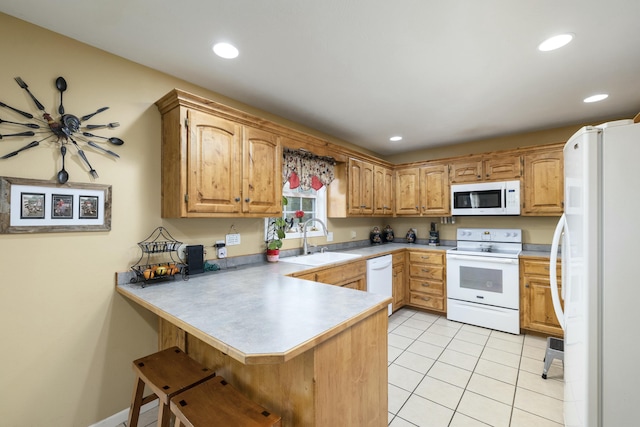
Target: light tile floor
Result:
[449, 374]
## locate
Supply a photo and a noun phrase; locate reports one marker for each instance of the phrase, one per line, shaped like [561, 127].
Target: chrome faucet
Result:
[304, 233]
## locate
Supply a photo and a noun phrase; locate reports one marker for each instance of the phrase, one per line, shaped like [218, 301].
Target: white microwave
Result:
[486, 198]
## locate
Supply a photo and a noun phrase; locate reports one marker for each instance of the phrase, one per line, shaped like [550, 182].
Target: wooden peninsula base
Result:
[340, 382]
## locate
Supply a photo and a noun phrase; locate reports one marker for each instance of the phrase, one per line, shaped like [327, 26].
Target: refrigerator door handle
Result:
[553, 263]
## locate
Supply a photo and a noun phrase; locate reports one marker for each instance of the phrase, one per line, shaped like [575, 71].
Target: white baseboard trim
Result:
[121, 417]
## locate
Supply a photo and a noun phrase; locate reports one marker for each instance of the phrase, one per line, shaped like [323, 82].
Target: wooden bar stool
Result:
[166, 373]
[217, 403]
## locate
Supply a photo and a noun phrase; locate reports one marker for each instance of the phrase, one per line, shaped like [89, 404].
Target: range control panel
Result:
[510, 235]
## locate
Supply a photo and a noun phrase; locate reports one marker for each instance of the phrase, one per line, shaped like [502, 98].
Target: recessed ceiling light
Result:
[225, 50]
[555, 42]
[395, 138]
[596, 98]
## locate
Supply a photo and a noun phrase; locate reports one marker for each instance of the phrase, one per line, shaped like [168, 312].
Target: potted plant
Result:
[275, 233]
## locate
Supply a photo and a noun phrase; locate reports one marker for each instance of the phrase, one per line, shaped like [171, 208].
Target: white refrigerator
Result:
[599, 235]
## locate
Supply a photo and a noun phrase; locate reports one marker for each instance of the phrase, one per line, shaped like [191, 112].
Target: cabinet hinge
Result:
[186, 198]
[186, 122]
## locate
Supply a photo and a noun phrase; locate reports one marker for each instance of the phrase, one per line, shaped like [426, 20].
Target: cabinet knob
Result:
[237, 199]
[425, 270]
[526, 285]
[426, 298]
[426, 285]
[247, 200]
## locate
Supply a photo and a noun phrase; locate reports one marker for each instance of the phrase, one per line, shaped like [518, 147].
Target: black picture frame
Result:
[88, 207]
[61, 206]
[32, 205]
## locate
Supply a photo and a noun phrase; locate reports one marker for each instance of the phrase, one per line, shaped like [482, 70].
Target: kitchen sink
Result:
[320, 258]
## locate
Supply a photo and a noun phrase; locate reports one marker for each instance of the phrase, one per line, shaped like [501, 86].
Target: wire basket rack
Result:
[160, 260]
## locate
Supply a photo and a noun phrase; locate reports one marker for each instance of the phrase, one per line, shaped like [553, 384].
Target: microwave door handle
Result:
[473, 198]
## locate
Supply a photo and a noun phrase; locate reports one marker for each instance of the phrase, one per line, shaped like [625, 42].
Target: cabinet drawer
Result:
[427, 286]
[537, 267]
[427, 301]
[427, 271]
[341, 273]
[426, 258]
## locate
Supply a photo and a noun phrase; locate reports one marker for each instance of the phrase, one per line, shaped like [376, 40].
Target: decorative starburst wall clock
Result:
[66, 129]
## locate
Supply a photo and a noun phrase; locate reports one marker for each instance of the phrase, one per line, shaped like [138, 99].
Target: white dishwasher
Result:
[380, 276]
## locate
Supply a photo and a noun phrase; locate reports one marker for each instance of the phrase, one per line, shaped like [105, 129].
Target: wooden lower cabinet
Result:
[399, 282]
[427, 280]
[342, 381]
[536, 305]
[351, 275]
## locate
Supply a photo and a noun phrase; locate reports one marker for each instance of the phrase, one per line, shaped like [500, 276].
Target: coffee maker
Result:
[434, 236]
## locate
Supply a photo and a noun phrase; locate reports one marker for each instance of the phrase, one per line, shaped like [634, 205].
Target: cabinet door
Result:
[435, 190]
[262, 177]
[408, 191]
[543, 183]
[388, 198]
[503, 168]
[541, 316]
[360, 187]
[399, 282]
[213, 165]
[382, 190]
[466, 171]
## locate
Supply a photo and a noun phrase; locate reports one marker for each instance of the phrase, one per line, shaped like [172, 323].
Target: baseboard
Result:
[121, 417]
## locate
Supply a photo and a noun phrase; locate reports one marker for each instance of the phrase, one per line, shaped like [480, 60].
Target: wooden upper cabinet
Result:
[408, 191]
[466, 170]
[262, 177]
[360, 187]
[543, 193]
[382, 190]
[423, 190]
[502, 168]
[435, 191]
[213, 153]
[486, 168]
[215, 166]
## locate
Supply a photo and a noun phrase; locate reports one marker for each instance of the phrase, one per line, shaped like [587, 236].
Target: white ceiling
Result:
[435, 72]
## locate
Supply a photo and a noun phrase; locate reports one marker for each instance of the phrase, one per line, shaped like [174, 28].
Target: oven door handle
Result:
[486, 259]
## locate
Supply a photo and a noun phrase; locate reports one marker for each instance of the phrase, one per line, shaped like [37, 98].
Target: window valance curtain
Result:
[306, 170]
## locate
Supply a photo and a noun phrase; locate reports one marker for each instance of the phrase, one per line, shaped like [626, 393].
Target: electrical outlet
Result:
[415, 231]
[222, 252]
[330, 236]
[353, 234]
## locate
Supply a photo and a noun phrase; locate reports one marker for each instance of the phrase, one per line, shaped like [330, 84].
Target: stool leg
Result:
[547, 364]
[164, 414]
[136, 402]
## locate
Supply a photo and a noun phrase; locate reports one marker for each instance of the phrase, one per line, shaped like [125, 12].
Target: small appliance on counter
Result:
[411, 236]
[387, 234]
[195, 259]
[375, 236]
[434, 236]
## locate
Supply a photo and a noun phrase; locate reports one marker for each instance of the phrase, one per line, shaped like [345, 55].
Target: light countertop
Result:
[257, 314]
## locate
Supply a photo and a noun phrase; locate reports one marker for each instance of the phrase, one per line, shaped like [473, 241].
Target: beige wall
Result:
[68, 337]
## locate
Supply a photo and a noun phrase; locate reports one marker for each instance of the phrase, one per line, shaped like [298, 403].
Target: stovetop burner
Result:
[491, 242]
